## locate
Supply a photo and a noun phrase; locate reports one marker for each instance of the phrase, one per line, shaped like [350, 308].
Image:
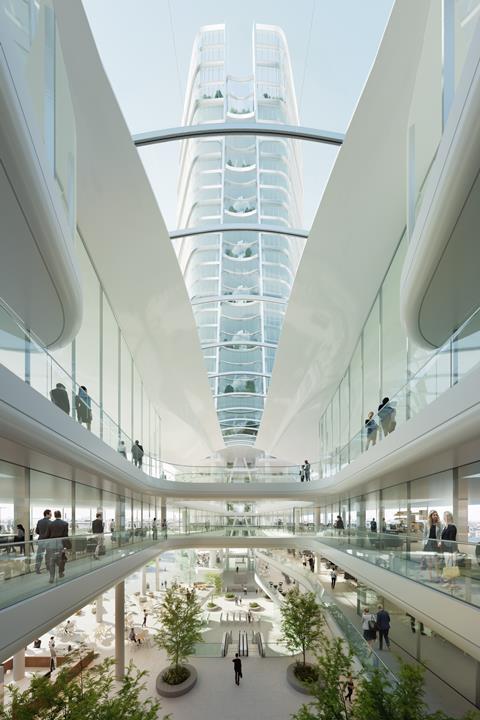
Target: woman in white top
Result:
[369, 622]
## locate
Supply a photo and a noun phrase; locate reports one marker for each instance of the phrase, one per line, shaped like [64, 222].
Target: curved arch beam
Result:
[237, 227]
[188, 132]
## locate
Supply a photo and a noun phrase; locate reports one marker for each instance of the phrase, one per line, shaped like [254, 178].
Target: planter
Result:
[213, 609]
[294, 682]
[172, 691]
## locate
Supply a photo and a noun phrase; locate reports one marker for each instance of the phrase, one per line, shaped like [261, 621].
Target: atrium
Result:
[239, 335]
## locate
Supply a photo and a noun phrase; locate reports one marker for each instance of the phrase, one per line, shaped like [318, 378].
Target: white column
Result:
[144, 581]
[99, 609]
[213, 559]
[19, 665]
[120, 630]
[317, 519]
[157, 574]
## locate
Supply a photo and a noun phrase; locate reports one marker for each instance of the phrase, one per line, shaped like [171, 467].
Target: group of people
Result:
[54, 542]
[304, 472]
[387, 419]
[440, 547]
[376, 623]
[83, 407]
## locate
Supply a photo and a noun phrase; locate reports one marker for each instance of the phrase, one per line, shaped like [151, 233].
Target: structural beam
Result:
[238, 227]
[188, 132]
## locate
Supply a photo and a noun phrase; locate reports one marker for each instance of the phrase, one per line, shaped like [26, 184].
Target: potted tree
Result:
[302, 629]
[180, 620]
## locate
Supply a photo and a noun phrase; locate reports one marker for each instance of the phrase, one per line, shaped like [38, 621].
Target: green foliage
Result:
[93, 695]
[334, 666]
[214, 579]
[302, 622]
[180, 619]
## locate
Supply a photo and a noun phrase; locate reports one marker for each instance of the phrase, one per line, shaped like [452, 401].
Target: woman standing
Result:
[371, 428]
[369, 624]
[432, 536]
[449, 544]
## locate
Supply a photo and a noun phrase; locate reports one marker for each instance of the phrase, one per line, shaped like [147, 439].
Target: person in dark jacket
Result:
[59, 397]
[386, 414]
[56, 544]
[339, 525]
[42, 532]
[307, 471]
[83, 406]
[383, 626]
[237, 666]
[137, 454]
[449, 540]
[371, 428]
[20, 538]
[98, 528]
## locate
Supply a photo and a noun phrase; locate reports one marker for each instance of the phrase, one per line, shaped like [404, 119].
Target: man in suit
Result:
[98, 529]
[237, 666]
[59, 397]
[56, 546]
[42, 530]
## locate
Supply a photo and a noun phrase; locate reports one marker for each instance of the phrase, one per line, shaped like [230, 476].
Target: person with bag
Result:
[98, 529]
[432, 544]
[83, 406]
[137, 454]
[369, 626]
[237, 667]
[450, 548]
[57, 542]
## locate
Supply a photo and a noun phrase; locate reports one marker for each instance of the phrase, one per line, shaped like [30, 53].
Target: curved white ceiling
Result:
[126, 236]
[357, 227]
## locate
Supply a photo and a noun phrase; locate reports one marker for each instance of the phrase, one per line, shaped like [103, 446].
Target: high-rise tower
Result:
[239, 282]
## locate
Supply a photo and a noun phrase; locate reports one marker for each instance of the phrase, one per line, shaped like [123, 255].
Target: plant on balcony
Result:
[180, 621]
[219, 94]
[302, 629]
[250, 386]
[90, 695]
[248, 253]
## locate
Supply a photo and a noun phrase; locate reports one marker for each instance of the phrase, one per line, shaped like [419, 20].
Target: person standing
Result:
[41, 530]
[333, 578]
[449, 538]
[122, 450]
[432, 539]
[237, 666]
[369, 625]
[56, 544]
[302, 473]
[137, 454]
[53, 654]
[373, 525]
[386, 415]
[307, 471]
[164, 528]
[349, 686]
[59, 397]
[371, 428]
[145, 616]
[83, 406]
[20, 538]
[383, 625]
[339, 526]
[98, 529]
[154, 529]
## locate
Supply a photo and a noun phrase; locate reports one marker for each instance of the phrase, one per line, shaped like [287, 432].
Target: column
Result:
[99, 609]
[212, 559]
[120, 630]
[143, 588]
[318, 563]
[460, 505]
[19, 665]
[21, 505]
[317, 519]
[163, 510]
[157, 574]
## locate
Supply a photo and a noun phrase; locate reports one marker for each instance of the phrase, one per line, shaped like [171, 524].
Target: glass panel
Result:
[87, 503]
[52, 493]
[356, 402]
[87, 344]
[126, 390]
[371, 361]
[110, 361]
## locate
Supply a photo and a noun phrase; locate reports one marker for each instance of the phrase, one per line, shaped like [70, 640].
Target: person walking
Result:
[307, 471]
[154, 529]
[57, 543]
[83, 406]
[122, 450]
[41, 530]
[333, 578]
[449, 537]
[59, 397]
[371, 428]
[302, 473]
[237, 666]
[53, 654]
[164, 528]
[350, 687]
[339, 525]
[137, 454]
[145, 616]
[98, 529]
[386, 415]
[383, 626]
[369, 626]
[373, 525]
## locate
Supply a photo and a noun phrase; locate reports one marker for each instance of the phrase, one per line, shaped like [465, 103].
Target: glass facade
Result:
[239, 282]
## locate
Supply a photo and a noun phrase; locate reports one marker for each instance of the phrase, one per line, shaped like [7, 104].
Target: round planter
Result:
[213, 609]
[294, 682]
[172, 691]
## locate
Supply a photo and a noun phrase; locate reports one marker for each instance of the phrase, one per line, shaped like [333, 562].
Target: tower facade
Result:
[239, 281]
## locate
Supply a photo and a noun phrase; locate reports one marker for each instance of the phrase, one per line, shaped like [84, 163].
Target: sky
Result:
[145, 46]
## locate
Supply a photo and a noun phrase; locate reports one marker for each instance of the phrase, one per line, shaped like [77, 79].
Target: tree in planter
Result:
[302, 627]
[214, 579]
[333, 667]
[180, 617]
[92, 695]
